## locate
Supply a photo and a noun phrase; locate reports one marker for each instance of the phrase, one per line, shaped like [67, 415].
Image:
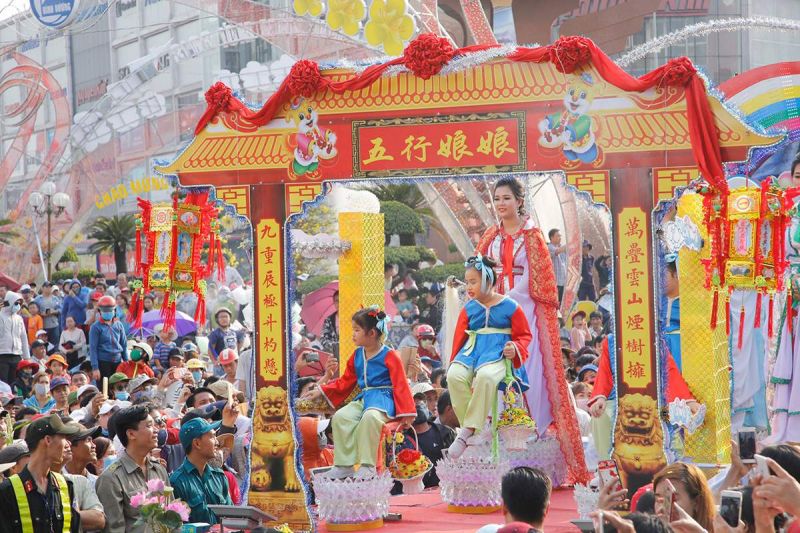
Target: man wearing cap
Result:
[38, 499]
[139, 355]
[13, 337]
[228, 360]
[175, 358]
[86, 501]
[39, 352]
[424, 392]
[107, 341]
[50, 309]
[118, 386]
[129, 475]
[197, 368]
[196, 482]
[14, 458]
[59, 390]
[83, 453]
[42, 336]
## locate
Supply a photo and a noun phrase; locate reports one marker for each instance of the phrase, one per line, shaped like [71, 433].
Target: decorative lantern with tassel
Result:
[169, 258]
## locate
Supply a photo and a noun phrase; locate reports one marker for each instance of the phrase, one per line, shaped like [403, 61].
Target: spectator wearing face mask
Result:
[118, 386]
[142, 387]
[138, 361]
[23, 384]
[107, 342]
[432, 438]
[13, 337]
[426, 337]
[197, 369]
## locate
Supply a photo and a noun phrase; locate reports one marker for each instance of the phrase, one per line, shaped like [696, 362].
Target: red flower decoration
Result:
[678, 72]
[218, 96]
[305, 78]
[427, 54]
[408, 456]
[567, 54]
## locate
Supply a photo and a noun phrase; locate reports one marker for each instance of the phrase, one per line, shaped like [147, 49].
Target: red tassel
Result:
[137, 323]
[200, 312]
[133, 305]
[168, 311]
[769, 318]
[757, 321]
[714, 307]
[741, 328]
[728, 319]
[138, 258]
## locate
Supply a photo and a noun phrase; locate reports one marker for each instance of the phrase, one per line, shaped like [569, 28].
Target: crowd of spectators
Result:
[112, 407]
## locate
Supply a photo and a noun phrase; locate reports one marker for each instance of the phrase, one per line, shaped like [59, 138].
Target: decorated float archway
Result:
[483, 111]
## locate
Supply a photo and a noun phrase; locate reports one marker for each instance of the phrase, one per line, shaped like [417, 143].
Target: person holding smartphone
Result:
[50, 308]
[685, 486]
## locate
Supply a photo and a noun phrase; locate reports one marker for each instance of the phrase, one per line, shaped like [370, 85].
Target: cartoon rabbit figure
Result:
[312, 142]
[571, 129]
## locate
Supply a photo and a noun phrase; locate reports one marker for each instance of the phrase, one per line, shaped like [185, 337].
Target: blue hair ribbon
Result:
[487, 273]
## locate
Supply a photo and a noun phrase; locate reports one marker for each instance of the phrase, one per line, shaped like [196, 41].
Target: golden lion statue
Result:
[638, 437]
[273, 442]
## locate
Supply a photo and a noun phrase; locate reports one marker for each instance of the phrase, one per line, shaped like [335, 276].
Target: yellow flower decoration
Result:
[309, 7]
[389, 25]
[346, 15]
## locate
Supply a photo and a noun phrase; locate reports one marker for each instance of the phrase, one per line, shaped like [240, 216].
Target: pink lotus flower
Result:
[155, 485]
[137, 500]
[180, 508]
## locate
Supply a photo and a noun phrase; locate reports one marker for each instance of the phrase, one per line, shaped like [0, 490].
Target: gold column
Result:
[360, 272]
[704, 351]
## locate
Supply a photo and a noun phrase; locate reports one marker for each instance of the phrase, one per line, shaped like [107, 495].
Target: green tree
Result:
[113, 234]
[7, 232]
[408, 194]
[400, 219]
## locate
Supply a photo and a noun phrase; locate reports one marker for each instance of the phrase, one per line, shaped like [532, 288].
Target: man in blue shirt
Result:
[107, 341]
[196, 482]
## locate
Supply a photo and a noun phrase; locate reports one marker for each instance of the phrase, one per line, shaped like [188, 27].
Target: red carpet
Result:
[426, 513]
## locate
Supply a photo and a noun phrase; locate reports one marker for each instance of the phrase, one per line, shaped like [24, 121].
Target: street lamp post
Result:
[47, 202]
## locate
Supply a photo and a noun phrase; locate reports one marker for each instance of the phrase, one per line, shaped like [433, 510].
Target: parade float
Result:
[564, 116]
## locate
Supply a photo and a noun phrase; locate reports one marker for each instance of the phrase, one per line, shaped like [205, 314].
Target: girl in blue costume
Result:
[491, 328]
[385, 395]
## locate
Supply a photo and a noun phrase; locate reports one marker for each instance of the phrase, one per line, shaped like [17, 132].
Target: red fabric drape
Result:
[567, 53]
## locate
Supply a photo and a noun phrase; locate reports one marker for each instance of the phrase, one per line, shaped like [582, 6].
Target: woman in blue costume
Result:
[491, 328]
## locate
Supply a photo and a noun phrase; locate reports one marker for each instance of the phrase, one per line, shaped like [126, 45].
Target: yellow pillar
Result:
[704, 351]
[360, 272]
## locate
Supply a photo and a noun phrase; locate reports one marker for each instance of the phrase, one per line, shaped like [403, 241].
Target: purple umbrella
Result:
[184, 324]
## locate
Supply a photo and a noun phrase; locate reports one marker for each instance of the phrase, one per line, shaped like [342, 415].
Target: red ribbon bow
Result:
[569, 53]
[427, 54]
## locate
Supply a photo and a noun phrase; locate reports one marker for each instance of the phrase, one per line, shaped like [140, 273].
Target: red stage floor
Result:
[426, 513]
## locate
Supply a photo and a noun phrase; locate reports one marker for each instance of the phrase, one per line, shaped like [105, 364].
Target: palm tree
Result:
[7, 233]
[113, 234]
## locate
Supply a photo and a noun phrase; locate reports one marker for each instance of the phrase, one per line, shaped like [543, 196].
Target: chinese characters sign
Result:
[270, 319]
[635, 368]
[439, 145]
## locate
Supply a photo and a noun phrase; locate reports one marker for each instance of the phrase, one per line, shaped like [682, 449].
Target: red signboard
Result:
[439, 144]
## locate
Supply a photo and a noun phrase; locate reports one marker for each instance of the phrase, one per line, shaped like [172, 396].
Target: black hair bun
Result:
[381, 315]
[488, 261]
